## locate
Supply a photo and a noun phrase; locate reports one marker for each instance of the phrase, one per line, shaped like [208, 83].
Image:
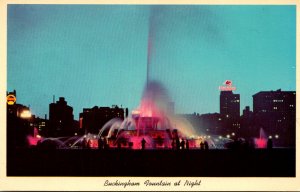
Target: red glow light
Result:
[261, 143]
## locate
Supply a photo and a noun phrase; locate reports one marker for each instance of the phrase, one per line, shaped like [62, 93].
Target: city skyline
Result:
[97, 54]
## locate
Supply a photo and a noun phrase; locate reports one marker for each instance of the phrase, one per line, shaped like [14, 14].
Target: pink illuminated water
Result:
[33, 140]
[261, 142]
[151, 120]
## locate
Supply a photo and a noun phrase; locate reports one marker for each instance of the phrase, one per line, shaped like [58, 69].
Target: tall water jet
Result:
[148, 57]
[153, 38]
[261, 142]
[151, 122]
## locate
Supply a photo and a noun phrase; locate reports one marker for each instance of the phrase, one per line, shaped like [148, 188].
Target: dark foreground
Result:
[212, 163]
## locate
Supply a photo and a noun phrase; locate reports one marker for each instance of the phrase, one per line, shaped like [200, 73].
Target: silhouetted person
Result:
[187, 145]
[119, 145]
[106, 145]
[89, 144]
[202, 145]
[177, 144]
[270, 143]
[85, 143]
[173, 144]
[143, 143]
[100, 143]
[182, 144]
[130, 145]
[206, 145]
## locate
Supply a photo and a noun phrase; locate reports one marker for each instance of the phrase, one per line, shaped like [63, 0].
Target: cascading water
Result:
[151, 122]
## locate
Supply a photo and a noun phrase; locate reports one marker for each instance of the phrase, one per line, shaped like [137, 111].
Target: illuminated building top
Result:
[11, 99]
[227, 86]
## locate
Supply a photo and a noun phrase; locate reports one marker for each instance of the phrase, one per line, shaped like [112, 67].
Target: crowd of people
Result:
[177, 144]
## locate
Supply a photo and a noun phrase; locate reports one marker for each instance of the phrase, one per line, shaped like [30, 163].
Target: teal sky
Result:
[97, 54]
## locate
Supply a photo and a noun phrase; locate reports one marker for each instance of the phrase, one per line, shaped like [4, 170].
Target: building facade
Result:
[230, 112]
[61, 119]
[229, 104]
[19, 120]
[91, 120]
[275, 113]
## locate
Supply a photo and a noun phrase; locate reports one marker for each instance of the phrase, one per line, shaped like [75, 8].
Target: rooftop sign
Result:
[227, 86]
[11, 99]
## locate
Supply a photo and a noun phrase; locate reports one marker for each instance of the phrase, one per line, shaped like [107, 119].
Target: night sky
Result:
[97, 54]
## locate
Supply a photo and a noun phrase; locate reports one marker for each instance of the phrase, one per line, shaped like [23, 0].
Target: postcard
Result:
[182, 96]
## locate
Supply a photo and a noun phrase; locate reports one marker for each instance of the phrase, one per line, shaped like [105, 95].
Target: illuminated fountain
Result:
[33, 140]
[150, 122]
[261, 142]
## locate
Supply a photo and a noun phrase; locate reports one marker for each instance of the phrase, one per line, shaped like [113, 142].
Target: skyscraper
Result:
[229, 104]
[60, 119]
[275, 112]
[229, 109]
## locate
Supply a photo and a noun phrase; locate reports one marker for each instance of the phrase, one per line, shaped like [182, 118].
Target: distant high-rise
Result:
[229, 104]
[275, 112]
[93, 119]
[247, 122]
[60, 119]
[274, 101]
[246, 112]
